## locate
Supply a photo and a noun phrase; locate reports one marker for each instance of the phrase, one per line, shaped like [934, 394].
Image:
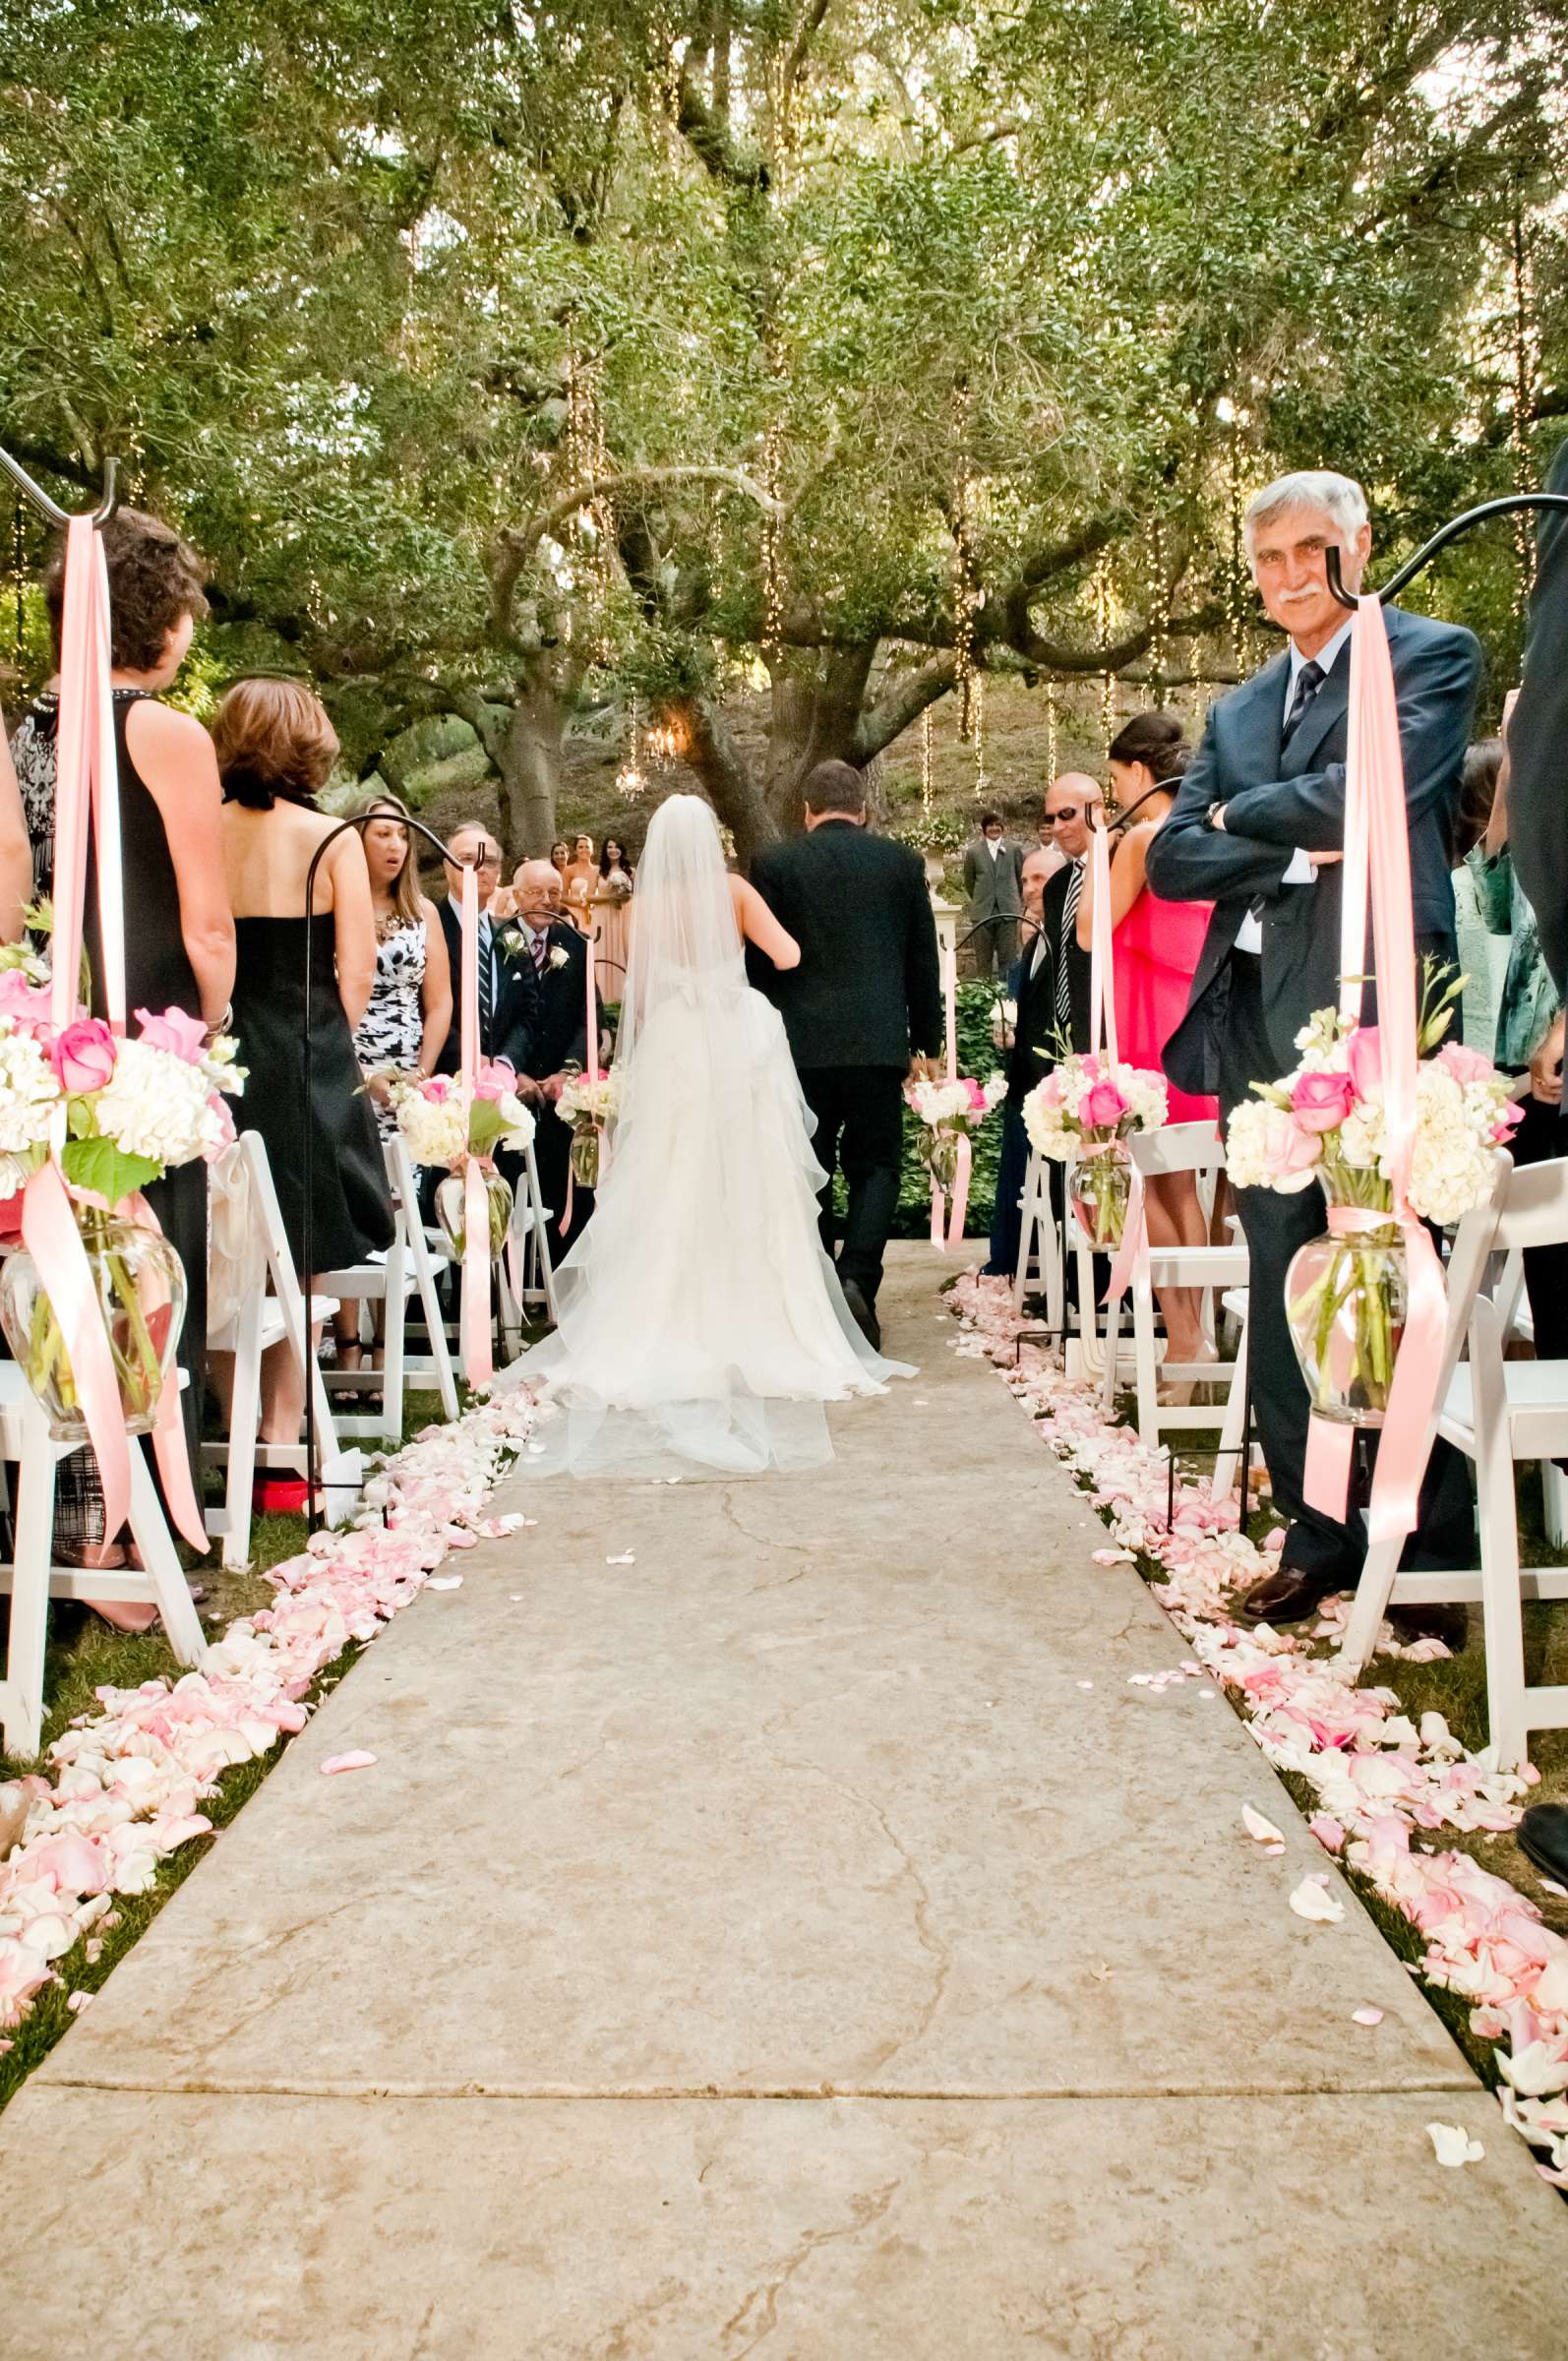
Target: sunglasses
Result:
[1054, 819]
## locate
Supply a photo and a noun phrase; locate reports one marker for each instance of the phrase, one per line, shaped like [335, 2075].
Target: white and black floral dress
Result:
[392, 1028]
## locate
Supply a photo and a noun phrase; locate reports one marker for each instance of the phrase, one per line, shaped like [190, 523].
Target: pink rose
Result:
[1366, 1063]
[82, 1056]
[27, 1004]
[494, 1079]
[1466, 1065]
[977, 1096]
[436, 1088]
[1102, 1107]
[1291, 1154]
[1321, 1102]
[225, 1129]
[180, 1036]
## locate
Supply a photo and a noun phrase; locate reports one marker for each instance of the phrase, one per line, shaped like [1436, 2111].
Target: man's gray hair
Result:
[1338, 497]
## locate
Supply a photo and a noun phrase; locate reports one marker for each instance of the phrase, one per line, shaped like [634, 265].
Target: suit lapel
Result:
[1258, 716]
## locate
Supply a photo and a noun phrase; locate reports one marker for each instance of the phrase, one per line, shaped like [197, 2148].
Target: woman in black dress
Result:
[179, 936]
[276, 749]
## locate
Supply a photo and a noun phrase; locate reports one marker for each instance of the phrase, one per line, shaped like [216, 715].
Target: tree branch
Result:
[519, 542]
[902, 705]
[709, 142]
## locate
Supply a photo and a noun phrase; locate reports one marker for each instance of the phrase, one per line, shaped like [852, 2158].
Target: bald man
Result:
[554, 956]
[1053, 980]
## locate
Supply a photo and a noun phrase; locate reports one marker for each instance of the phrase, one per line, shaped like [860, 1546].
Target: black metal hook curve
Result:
[1454, 527]
[51, 509]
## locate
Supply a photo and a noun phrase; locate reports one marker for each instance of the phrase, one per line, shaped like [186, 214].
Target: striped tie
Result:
[487, 987]
[1069, 933]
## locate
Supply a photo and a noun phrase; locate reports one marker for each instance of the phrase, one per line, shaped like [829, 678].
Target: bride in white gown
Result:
[698, 1318]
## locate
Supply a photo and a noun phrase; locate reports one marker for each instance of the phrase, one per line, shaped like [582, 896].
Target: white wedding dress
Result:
[698, 1319]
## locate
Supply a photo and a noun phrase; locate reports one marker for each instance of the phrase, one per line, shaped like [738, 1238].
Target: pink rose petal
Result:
[1366, 2015]
[355, 1760]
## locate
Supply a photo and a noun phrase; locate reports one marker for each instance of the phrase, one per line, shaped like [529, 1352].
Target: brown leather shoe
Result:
[1287, 1595]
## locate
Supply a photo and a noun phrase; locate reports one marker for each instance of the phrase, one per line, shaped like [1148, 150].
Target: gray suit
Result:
[1245, 1011]
[994, 883]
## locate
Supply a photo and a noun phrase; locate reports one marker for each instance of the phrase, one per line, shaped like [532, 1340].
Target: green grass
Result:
[83, 1655]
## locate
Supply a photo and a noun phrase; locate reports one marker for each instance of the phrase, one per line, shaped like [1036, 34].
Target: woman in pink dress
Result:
[1154, 951]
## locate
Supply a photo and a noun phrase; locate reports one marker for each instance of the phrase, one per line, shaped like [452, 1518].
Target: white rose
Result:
[29, 1092]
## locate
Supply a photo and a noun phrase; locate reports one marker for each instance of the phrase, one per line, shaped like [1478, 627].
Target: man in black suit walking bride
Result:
[865, 997]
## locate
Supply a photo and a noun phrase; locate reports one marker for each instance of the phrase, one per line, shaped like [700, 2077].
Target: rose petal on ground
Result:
[627, 1557]
[1263, 1829]
[356, 1760]
[445, 1582]
[1311, 1902]
[1453, 2145]
[1366, 2015]
[1084, 1684]
[78, 2002]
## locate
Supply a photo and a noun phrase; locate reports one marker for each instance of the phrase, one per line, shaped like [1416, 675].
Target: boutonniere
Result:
[560, 955]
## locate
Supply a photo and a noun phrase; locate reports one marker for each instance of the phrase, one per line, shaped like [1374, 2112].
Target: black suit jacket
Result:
[1538, 741]
[552, 1030]
[511, 1009]
[1275, 803]
[1035, 1036]
[869, 987]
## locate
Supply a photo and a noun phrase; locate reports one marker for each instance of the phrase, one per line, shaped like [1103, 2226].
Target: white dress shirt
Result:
[1300, 870]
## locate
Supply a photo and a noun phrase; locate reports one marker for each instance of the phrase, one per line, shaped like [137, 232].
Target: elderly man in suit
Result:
[551, 958]
[506, 995]
[993, 872]
[1012, 1167]
[1257, 829]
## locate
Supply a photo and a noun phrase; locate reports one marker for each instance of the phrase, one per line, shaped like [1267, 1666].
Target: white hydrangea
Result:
[436, 1131]
[520, 1123]
[155, 1105]
[29, 1091]
[1245, 1143]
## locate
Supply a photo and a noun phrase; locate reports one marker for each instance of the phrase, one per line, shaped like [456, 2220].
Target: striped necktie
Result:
[487, 987]
[1308, 680]
[1070, 935]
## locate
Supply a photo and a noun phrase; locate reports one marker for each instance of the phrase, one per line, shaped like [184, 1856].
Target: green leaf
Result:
[485, 1125]
[105, 1169]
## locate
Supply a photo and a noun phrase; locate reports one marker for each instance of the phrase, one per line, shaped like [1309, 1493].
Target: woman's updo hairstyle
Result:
[1156, 740]
[273, 739]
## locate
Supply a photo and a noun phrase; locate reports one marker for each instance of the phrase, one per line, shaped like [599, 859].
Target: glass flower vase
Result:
[139, 1287]
[585, 1154]
[940, 1150]
[1344, 1300]
[452, 1212]
[1099, 1182]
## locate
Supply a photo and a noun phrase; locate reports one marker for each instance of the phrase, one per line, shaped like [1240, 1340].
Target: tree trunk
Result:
[817, 713]
[530, 772]
[726, 779]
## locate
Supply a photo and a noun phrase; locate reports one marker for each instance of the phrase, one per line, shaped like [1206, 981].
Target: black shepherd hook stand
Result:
[50, 510]
[308, 1160]
[1453, 530]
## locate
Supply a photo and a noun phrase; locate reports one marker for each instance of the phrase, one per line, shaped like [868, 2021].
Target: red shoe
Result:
[278, 1496]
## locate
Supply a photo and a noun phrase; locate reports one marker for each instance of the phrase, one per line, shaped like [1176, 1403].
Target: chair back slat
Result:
[1535, 1207]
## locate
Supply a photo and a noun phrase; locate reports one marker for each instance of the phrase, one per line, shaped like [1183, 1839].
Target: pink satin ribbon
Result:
[1103, 1036]
[86, 793]
[479, 1360]
[1377, 867]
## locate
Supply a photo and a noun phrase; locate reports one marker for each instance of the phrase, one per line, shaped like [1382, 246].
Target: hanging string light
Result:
[966, 596]
[772, 538]
[1103, 613]
[1524, 401]
[18, 565]
[1159, 623]
[631, 779]
[1051, 731]
[981, 781]
[1236, 571]
[925, 764]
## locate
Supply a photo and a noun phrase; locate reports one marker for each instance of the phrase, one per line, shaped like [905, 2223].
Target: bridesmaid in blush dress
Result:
[1155, 950]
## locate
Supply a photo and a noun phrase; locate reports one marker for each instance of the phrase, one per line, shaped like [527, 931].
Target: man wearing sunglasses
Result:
[1054, 978]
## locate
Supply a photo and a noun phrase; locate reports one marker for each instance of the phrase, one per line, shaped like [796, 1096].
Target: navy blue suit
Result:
[1244, 1012]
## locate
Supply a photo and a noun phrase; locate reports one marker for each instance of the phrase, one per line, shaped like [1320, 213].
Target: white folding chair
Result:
[1515, 1320]
[1039, 1243]
[1178, 1148]
[255, 1302]
[530, 1241]
[409, 1266]
[1496, 1412]
[31, 1578]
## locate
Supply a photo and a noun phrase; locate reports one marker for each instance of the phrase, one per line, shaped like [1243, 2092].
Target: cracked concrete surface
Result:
[768, 1948]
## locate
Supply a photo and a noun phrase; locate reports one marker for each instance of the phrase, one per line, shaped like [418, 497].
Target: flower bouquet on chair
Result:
[446, 1124]
[587, 1103]
[947, 1113]
[1082, 1114]
[118, 1114]
[1346, 1291]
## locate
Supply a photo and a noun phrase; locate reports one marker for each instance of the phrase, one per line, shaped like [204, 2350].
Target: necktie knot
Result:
[539, 942]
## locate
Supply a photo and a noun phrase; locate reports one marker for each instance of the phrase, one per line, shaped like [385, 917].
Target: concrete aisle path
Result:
[772, 1946]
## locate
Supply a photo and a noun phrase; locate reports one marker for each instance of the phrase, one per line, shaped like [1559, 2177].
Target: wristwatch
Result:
[1210, 818]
